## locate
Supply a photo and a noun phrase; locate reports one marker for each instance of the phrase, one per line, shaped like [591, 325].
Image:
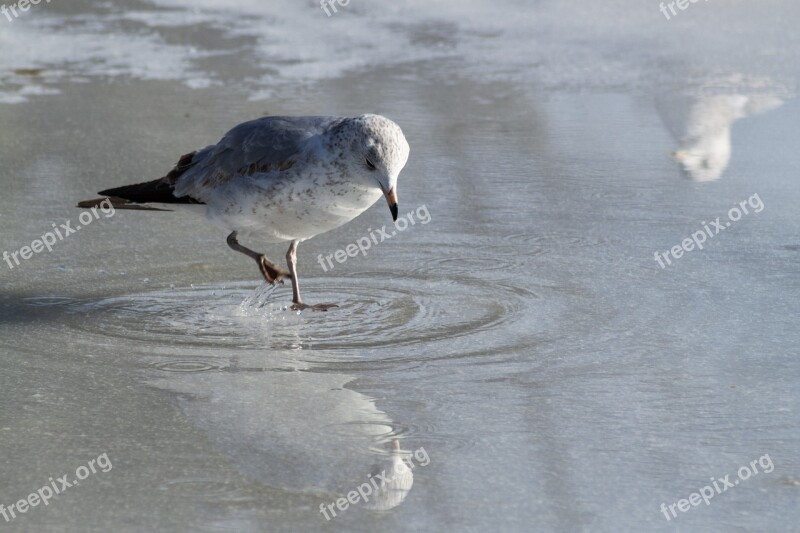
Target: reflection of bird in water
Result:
[314, 437]
[395, 481]
[705, 146]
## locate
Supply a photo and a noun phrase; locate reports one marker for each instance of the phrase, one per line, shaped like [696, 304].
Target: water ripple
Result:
[375, 311]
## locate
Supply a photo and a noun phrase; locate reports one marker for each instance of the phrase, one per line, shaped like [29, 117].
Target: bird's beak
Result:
[391, 199]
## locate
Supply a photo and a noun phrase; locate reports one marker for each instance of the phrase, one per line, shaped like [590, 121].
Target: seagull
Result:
[280, 179]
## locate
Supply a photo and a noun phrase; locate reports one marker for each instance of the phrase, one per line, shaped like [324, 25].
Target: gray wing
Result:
[258, 146]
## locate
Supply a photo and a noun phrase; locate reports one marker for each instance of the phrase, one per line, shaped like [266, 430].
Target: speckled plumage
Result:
[291, 178]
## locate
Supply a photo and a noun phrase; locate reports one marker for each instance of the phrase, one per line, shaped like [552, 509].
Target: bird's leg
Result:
[291, 260]
[271, 272]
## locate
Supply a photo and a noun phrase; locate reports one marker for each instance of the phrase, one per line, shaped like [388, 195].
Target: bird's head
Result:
[380, 151]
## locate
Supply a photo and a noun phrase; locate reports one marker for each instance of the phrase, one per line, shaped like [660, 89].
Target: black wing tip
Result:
[158, 191]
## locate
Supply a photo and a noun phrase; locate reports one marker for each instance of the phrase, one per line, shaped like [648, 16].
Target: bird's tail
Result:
[160, 191]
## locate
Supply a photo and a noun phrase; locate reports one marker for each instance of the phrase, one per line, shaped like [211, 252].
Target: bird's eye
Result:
[371, 165]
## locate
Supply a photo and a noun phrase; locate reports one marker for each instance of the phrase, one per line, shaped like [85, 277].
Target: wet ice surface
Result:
[525, 338]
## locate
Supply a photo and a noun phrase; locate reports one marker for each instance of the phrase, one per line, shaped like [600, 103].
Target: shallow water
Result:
[526, 338]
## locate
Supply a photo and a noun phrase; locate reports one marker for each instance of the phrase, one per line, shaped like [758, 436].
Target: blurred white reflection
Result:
[705, 133]
[398, 479]
[296, 430]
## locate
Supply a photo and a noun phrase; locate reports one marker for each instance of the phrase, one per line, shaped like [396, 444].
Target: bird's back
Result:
[258, 146]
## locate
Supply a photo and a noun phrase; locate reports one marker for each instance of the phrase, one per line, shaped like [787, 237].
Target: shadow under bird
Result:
[281, 179]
